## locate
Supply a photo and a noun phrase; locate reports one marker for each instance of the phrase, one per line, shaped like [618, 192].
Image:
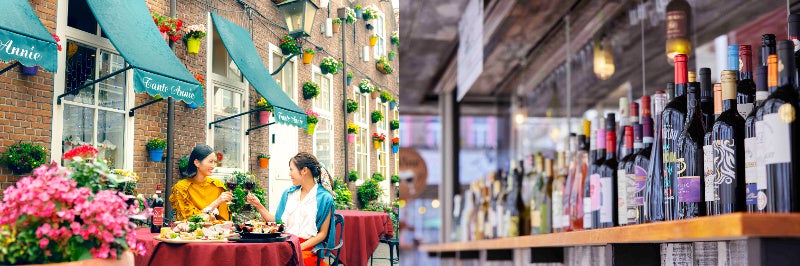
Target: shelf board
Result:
[713, 228]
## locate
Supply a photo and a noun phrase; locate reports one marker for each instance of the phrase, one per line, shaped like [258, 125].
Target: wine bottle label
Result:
[762, 95]
[622, 197]
[777, 138]
[594, 191]
[762, 200]
[536, 219]
[744, 109]
[640, 181]
[606, 199]
[688, 189]
[750, 175]
[558, 209]
[676, 24]
[587, 213]
[761, 167]
[513, 228]
[158, 216]
[708, 169]
[630, 198]
[724, 161]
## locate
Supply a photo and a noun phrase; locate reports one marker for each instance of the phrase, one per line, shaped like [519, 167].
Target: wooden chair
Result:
[328, 253]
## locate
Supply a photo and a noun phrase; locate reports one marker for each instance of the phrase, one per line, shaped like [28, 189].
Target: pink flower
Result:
[44, 242]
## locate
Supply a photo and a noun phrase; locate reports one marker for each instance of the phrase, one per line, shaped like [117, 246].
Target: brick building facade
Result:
[99, 115]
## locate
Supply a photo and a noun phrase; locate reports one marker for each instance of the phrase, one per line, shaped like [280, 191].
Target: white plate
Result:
[183, 241]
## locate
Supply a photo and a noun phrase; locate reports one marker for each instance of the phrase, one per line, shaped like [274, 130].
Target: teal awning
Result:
[156, 69]
[243, 52]
[24, 38]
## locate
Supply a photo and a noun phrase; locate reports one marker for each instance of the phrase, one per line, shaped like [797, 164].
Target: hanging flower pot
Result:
[337, 24]
[30, 71]
[311, 128]
[373, 40]
[349, 79]
[192, 105]
[308, 55]
[392, 105]
[156, 155]
[375, 94]
[391, 55]
[395, 148]
[263, 162]
[193, 45]
[376, 144]
[351, 138]
[359, 11]
[263, 117]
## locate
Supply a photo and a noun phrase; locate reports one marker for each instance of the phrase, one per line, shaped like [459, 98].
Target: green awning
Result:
[243, 52]
[24, 38]
[156, 69]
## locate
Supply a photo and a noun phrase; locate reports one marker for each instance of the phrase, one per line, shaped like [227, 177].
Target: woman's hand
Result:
[225, 197]
[253, 200]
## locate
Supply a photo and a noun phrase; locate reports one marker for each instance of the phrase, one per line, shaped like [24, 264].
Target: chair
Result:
[394, 246]
[328, 253]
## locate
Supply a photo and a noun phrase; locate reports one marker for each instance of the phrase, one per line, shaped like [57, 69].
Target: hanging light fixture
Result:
[603, 60]
[679, 14]
[299, 16]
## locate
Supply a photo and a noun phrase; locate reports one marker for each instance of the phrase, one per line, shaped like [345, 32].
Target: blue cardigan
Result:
[324, 207]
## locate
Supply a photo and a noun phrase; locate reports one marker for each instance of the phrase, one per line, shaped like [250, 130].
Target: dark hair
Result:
[199, 153]
[305, 159]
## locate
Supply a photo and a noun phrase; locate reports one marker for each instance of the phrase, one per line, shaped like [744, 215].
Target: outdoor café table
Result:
[231, 253]
[362, 231]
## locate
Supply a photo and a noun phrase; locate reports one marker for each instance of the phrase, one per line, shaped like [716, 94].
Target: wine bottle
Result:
[728, 145]
[557, 195]
[591, 186]
[679, 15]
[642, 159]
[158, 212]
[513, 202]
[706, 98]
[708, 155]
[767, 48]
[753, 185]
[690, 156]
[624, 184]
[580, 173]
[608, 177]
[745, 88]
[794, 36]
[537, 187]
[545, 220]
[673, 120]
[622, 116]
[781, 132]
[654, 188]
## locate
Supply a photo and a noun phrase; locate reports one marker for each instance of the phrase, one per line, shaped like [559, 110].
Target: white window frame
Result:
[277, 50]
[95, 40]
[324, 114]
[363, 124]
[383, 127]
[380, 29]
[242, 87]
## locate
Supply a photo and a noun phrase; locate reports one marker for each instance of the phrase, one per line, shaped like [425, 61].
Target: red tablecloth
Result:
[159, 253]
[362, 232]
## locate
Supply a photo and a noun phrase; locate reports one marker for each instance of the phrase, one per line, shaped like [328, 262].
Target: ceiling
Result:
[525, 50]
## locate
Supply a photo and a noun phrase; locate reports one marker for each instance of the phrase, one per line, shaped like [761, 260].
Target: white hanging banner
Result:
[470, 47]
[328, 27]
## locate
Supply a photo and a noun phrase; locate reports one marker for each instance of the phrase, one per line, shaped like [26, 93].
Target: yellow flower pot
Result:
[373, 41]
[376, 144]
[311, 128]
[307, 57]
[193, 45]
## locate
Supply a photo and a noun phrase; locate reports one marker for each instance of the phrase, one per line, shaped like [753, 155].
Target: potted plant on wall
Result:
[373, 40]
[310, 90]
[359, 10]
[329, 66]
[290, 45]
[391, 55]
[377, 140]
[352, 106]
[395, 180]
[156, 148]
[393, 103]
[263, 160]
[352, 130]
[382, 64]
[378, 177]
[385, 96]
[337, 24]
[377, 116]
[369, 13]
[375, 93]
[352, 176]
[364, 86]
[308, 55]
[191, 39]
[394, 124]
[23, 157]
[395, 38]
[170, 28]
[395, 145]
[351, 16]
[263, 115]
[311, 120]
[349, 78]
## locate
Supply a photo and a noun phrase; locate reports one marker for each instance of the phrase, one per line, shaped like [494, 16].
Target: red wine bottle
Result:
[745, 88]
[642, 159]
[624, 181]
[752, 167]
[608, 177]
[673, 120]
[689, 184]
[708, 155]
[780, 131]
[622, 119]
[728, 145]
[767, 48]
[591, 186]
[654, 190]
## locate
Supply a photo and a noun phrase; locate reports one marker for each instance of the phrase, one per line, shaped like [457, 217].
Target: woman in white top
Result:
[305, 208]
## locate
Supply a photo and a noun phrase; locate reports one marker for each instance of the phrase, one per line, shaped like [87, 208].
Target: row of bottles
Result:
[694, 149]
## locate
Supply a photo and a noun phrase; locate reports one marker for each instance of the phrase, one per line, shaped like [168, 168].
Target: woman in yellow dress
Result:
[198, 192]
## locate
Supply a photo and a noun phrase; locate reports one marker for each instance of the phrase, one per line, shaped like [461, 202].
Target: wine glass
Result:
[249, 184]
[230, 182]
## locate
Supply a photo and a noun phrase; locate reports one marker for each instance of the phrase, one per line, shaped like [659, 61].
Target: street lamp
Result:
[299, 16]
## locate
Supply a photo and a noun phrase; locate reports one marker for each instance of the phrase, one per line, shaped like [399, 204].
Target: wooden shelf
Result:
[724, 227]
